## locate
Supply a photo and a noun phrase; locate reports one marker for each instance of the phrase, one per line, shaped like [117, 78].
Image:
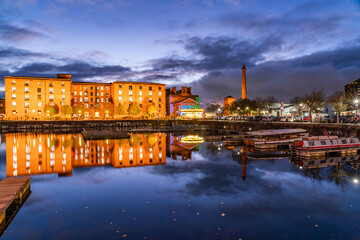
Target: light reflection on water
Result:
[186, 191]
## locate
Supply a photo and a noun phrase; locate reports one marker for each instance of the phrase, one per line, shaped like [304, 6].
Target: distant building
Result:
[182, 102]
[228, 101]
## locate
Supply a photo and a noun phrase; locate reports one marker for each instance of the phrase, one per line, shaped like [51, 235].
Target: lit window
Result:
[107, 88]
[102, 99]
[38, 83]
[140, 93]
[80, 93]
[39, 112]
[13, 104]
[14, 111]
[63, 97]
[13, 82]
[62, 90]
[150, 93]
[51, 104]
[81, 99]
[130, 87]
[140, 99]
[26, 83]
[102, 88]
[26, 97]
[51, 90]
[102, 94]
[13, 96]
[130, 93]
[159, 93]
[130, 99]
[51, 97]
[27, 105]
[120, 99]
[120, 87]
[39, 104]
[26, 89]
[13, 89]
[62, 84]
[120, 92]
[75, 93]
[150, 99]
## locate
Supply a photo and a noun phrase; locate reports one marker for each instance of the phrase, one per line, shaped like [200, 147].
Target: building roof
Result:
[90, 83]
[192, 100]
[229, 96]
[38, 78]
[357, 81]
[143, 83]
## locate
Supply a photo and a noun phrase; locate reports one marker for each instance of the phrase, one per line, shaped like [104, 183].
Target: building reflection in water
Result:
[32, 153]
[183, 146]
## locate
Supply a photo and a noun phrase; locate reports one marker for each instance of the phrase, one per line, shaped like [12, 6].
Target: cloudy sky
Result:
[289, 47]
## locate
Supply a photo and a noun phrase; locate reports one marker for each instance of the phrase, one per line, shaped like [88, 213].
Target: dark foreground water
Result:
[161, 187]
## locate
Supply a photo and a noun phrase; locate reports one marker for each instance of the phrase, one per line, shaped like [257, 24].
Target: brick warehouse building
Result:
[182, 102]
[26, 97]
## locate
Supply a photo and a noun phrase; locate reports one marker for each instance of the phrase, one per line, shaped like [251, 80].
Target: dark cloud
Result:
[11, 52]
[13, 33]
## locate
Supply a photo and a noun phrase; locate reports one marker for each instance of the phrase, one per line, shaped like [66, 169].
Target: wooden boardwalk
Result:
[13, 193]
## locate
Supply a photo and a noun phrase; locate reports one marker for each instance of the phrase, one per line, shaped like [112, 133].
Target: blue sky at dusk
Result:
[289, 47]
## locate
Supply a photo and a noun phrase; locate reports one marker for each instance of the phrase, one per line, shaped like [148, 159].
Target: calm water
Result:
[161, 187]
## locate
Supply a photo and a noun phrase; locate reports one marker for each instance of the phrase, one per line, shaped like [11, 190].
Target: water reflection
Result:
[33, 154]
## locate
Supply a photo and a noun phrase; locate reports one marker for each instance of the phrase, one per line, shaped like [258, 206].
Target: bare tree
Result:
[337, 101]
[315, 100]
[269, 103]
[260, 104]
[298, 104]
[213, 108]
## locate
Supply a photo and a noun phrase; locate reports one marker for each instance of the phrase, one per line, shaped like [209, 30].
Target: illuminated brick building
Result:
[26, 97]
[228, 101]
[95, 96]
[182, 102]
[142, 94]
[2, 106]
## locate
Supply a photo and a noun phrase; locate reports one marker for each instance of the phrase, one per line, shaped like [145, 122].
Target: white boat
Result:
[322, 145]
[273, 138]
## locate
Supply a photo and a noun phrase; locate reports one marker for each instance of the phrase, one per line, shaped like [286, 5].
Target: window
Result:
[96, 88]
[91, 94]
[39, 90]
[107, 88]
[13, 82]
[62, 84]
[75, 99]
[159, 99]
[140, 93]
[91, 106]
[150, 99]
[51, 104]
[130, 87]
[39, 97]
[80, 93]
[120, 86]
[107, 94]
[13, 104]
[81, 99]
[159, 88]
[13, 89]
[102, 94]
[96, 93]
[38, 83]
[102, 88]
[63, 97]
[26, 97]
[39, 104]
[159, 105]
[150, 93]
[13, 96]
[130, 99]
[140, 99]
[91, 88]
[51, 84]
[86, 99]
[39, 112]
[150, 88]
[86, 88]
[26, 83]
[102, 99]
[120, 99]
[26, 89]
[62, 103]
[51, 90]
[140, 105]
[75, 93]
[140, 87]
[62, 90]
[91, 99]
[14, 111]
[27, 105]
[96, 99]
[130, 93]
[159, 93]
[107, 100]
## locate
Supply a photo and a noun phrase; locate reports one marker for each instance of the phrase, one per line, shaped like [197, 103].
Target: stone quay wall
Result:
[216, 127]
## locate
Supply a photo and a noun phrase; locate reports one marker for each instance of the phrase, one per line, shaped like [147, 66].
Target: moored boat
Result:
[325, 145]
[273, 138]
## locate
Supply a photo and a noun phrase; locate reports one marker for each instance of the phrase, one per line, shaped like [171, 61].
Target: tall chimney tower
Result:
[243, 88]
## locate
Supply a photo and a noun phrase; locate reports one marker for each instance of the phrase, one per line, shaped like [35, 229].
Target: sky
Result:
[290, 48]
